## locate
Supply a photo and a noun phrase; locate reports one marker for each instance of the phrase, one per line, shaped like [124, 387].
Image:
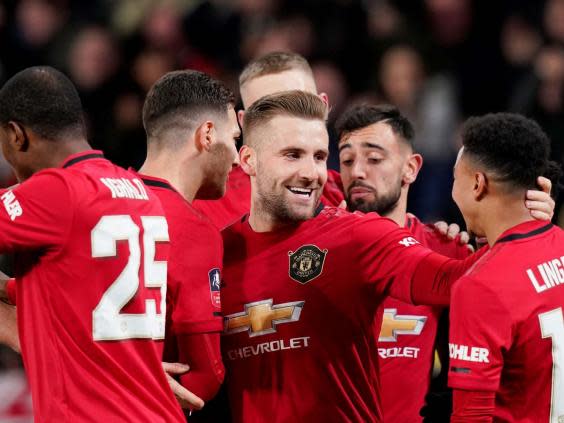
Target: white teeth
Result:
[301, 191]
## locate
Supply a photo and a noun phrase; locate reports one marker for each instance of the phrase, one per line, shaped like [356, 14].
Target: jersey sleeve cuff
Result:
[471, 383]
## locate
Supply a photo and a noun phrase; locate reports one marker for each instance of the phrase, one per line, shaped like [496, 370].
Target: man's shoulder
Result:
[434, 240]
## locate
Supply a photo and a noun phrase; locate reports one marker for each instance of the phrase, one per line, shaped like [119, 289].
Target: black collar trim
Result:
[318, 209]
[82, 158]
[534, 232]
[159, 184]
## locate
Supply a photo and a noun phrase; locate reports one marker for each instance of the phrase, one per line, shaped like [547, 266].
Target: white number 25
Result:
[108, 323]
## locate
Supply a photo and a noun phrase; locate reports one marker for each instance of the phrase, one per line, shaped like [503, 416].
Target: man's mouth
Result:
[304, 192]
[360, 192]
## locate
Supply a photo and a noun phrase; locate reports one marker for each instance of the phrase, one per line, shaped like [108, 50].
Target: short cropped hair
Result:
[512, 147]
[180, 97]
[361, 116]
[44, 100]
[273, 63]
[294, 103]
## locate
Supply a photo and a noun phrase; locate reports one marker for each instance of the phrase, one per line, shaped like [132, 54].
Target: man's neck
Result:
[503, 215]
[186, 179]
[54, 157]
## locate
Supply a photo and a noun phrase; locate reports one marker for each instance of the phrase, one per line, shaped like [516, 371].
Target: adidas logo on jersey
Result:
[408, 241]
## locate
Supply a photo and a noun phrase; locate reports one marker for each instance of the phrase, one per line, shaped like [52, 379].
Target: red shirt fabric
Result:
[407, 338]
[237, 199]
[300, 306]
[90, 287]
[507, 328]
[194, 264]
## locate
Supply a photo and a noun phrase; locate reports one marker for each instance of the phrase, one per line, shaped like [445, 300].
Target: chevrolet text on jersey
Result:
[124, 188]
[551, 274]
[460, 352]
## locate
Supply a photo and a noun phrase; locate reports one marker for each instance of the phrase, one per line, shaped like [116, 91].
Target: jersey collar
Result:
[83, 155]
[153, 181]
[524, 230]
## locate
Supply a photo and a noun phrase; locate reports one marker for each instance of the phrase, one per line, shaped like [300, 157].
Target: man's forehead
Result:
[375, 136]
[292, 79]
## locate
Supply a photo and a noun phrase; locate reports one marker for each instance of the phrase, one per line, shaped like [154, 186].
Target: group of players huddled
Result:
[309, 295]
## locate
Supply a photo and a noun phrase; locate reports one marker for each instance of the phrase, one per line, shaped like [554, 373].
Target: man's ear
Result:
[412, 168]
[205, 136]
[324, 97]
[17, 136]
[248, 160]
[481, 185]
[240, 117]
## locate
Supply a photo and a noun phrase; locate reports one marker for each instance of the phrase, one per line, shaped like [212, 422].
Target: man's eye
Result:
[347, 162]
[374, 160]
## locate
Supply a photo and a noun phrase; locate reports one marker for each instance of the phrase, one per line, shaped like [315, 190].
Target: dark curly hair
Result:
[512, 147]
[45, 100]
[180, 96]
[361, 116]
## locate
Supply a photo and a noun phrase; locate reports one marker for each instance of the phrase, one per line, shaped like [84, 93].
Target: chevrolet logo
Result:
[394, 325]
[261, 317]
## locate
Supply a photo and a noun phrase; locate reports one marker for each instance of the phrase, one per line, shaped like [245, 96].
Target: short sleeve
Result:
[36, 214]
[388, 256]
[480, 333]
[195, 268]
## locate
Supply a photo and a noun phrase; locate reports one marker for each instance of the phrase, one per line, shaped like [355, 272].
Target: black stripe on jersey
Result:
[81, 158]
[160, 184]
[513, 237]
[409, 223]
[319, 209]
[217, 314]
[464, 370]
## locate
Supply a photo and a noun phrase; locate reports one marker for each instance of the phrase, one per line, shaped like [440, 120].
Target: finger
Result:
[464, 238]
[412, 216]
[442, 227]
[538, 215]
[545, 184]
[538, 196]
[186, 398]
[539, 207]
[470, 247]
[453, 230]
[175, 368]
[343, 204]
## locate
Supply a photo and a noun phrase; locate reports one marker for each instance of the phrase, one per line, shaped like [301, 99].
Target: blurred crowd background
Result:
[439, 61]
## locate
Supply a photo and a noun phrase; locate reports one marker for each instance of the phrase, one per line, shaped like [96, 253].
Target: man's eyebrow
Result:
[364, 144]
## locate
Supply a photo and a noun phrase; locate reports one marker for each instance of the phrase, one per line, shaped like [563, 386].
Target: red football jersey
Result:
[88, 240]
[237, 199]
[299, 309]
[194, 264]
[407, 339]
[507, 328]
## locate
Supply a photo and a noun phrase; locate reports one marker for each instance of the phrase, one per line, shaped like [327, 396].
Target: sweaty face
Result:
[372, 161]
[293, 79]
[291, 168]
[223, 156]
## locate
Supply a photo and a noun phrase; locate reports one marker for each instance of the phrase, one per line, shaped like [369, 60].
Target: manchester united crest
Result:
[306, 263]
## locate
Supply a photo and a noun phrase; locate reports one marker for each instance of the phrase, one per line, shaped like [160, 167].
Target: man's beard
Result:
[213, 186]
[383, 204]
[277, 208]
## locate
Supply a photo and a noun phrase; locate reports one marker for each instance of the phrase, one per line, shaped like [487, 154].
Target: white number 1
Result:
[108, 323]
[552, 326]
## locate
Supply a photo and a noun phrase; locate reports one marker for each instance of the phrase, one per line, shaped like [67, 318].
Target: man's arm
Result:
[9, 327]
[473, 406]
[202, 352]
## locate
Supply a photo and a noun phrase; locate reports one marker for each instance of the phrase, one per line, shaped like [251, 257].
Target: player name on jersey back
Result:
[551, 274]
[126, 188]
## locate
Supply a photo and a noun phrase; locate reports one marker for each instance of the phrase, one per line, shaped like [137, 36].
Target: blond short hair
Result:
[273, 63]
[294, 103]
